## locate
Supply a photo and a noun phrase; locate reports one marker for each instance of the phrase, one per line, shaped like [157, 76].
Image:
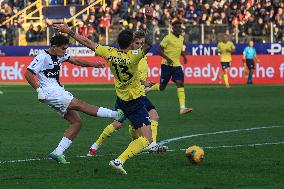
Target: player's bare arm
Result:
[31, 80]
[256, 59]
[147, 83]
[64, 28]
[149, 32]
[161, 52]
[184, 54]
[231, 50]
[84, 63]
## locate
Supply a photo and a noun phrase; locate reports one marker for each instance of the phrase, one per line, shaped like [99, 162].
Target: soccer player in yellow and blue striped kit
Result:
[123, 63]
[226, 48]
[170, 49]
[138, 41]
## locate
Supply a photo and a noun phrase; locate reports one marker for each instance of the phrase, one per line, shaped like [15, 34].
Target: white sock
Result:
[182, 107]
[95, 146]
[63, 145]
[105, 112]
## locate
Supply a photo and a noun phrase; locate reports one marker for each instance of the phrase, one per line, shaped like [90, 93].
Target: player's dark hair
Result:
[176, 22]
[124, 39]
[59, 40]
[139, 34]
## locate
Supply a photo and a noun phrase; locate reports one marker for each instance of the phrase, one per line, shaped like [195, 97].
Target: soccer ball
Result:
[194, 154]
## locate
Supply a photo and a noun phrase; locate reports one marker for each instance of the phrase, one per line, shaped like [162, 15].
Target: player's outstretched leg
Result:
[155, 87]
[75, 125]
[134, 148]
[226, 78]
[92, 110]
[181, 97]
[107, 132]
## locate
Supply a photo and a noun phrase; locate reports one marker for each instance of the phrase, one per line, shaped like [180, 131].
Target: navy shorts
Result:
[135, 111]
[168, 72]
[225, 65]
[250, 64]
[148, 104]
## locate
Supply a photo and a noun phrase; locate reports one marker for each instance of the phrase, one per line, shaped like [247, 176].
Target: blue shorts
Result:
[250, 64]
[168, 72]
[225, 65]
[148, 104]
[135, 111]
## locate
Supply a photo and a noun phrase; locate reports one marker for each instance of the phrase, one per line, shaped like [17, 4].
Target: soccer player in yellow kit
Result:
[123, 63]
[138, 41]
[170, 49]
[226, 48]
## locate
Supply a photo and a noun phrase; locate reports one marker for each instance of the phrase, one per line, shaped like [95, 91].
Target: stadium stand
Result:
[203, 20]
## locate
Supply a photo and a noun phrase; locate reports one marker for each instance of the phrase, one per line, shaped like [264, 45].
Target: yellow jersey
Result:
[124, 67]
[172, 47]
[143, 69]
[222, 48]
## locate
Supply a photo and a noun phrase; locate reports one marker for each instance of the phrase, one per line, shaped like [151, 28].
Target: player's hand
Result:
[40, 94]
[61, 27]
[185, 61]
[99, 65]
[149, 11]
[148, 83]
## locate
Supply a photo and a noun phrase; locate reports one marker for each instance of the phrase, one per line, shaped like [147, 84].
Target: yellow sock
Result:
[108, 131]
[155, 87]
[134, 148]
[154, 127]
[134, 135]
[226, 79]
[181, 97]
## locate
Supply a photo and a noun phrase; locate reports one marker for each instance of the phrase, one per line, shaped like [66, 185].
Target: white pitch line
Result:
[238, 145]
[23, 160]
[215, 133]
[243, 145]
[178, 138]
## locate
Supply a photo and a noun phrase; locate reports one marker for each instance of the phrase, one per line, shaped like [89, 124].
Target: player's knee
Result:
[179, 83]
[75, 104]
[154, 115]
[79, 122]
[117, 125]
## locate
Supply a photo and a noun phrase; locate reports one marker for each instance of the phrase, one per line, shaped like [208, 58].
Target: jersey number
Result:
[123, 70]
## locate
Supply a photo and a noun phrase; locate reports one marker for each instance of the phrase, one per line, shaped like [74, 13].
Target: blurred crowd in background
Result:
[242, 19]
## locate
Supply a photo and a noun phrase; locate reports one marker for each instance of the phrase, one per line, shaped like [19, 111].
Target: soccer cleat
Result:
[118, 166]
[185, 110]
[120, 116]
[91, 152]
[58, 158]
[158, 148]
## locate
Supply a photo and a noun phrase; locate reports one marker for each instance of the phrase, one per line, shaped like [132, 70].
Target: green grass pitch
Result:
[29, 131]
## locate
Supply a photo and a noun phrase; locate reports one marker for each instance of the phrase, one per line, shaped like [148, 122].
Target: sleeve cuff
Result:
[33, 72]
